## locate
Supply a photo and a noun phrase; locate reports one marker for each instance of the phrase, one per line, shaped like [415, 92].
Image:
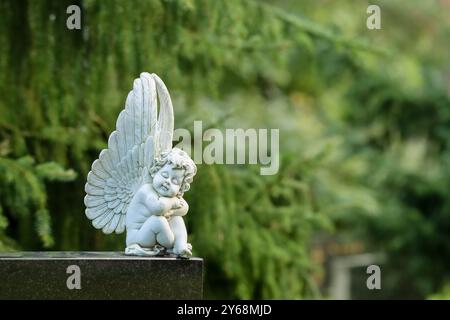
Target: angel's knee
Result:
[164, 235]
[157, 224]
[155, 230]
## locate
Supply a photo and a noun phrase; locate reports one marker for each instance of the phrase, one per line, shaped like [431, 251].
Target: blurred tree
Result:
[395, 116]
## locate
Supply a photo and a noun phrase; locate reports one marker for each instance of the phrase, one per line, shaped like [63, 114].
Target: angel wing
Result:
[139, 138]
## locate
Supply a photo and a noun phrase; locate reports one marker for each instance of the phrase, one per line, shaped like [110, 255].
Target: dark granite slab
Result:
[104, 275]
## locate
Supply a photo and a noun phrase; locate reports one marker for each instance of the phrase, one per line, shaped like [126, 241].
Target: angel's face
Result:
[167, 181]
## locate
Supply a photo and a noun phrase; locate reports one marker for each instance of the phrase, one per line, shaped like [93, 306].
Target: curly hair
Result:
[180, 160]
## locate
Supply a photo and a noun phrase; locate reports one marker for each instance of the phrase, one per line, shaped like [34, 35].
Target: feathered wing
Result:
[120, 170]
[165, 123]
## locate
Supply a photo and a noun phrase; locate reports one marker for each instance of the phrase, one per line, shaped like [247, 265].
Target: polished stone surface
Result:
[104, 275]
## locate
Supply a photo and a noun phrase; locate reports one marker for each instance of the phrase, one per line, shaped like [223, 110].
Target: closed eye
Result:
[165, 174]
[175, 181]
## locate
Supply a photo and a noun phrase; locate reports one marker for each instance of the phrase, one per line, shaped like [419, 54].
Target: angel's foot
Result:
[183, 250]
[137, 250]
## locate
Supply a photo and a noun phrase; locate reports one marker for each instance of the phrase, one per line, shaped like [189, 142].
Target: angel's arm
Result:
[160, 206]
[155, 206]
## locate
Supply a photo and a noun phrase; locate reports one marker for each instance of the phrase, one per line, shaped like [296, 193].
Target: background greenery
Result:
[364, 118]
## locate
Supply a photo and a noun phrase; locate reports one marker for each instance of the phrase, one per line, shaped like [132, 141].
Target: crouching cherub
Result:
[156, 211]
[138, 183]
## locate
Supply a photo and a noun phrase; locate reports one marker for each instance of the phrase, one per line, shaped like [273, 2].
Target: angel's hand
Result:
[177, 204]
[182, 209]
[168, 213]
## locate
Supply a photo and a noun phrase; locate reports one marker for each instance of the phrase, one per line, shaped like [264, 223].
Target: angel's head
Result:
[172, 173]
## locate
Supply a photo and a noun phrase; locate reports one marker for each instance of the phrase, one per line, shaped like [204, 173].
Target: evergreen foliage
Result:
[231, 64]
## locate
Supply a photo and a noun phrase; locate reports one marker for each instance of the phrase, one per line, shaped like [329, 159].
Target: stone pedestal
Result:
[98, 275]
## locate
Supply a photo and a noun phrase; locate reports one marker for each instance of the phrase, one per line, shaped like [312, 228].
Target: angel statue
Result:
[138, 183]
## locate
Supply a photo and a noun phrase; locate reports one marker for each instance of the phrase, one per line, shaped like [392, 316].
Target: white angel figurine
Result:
[139, 181]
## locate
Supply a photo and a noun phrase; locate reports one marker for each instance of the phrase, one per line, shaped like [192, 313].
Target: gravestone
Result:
[98, 275]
